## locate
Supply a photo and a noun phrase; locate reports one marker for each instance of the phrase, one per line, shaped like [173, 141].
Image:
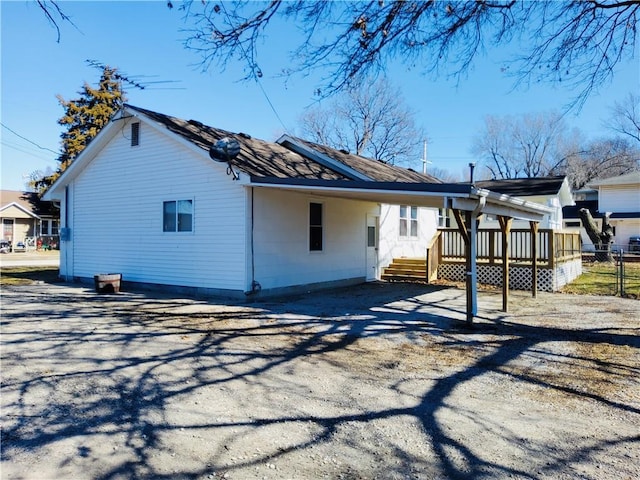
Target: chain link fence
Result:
[615, 272]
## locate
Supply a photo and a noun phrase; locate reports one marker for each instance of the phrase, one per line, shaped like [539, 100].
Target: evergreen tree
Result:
[83, 119]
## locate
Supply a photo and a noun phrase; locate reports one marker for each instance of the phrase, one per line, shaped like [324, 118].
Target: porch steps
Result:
[405, 270]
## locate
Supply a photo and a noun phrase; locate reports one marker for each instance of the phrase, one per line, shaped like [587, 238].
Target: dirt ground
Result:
[381, 381]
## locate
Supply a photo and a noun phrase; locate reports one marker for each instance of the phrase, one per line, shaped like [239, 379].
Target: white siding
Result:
[392, 245]
[554, 220]
[281, 239]
[619, 198]
[117, 216]
[625, 228]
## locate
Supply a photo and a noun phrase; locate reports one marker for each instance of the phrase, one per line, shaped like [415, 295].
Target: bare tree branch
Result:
[599, 159]
[371, 121]
[577, 43]
[54, 14]
[625, 117]
[523, 146]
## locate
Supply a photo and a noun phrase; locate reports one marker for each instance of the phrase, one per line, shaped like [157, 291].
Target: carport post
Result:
[534, 258]
[472, 284]
[468, 229]
[505, 227]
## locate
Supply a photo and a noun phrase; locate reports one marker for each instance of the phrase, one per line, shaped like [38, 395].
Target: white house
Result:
[150, 199]
[620, 196]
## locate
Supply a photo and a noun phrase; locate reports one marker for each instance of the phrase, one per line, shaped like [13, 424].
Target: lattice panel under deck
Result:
[519, 277]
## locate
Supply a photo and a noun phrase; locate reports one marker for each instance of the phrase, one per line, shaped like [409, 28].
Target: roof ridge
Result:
[260, 157]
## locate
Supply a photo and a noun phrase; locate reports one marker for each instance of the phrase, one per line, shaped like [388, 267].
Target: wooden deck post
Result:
[505, 228]
[534, 258]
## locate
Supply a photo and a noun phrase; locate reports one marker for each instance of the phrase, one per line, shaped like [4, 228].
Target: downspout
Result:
[67, 277]
[472, 309]
[255, 286]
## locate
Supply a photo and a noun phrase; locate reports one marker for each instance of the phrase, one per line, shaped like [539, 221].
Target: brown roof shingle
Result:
[260, 158]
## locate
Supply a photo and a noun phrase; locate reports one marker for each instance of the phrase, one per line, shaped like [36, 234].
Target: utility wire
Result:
[28, 151]
[30, 141]
[271, 105]
[255, 77]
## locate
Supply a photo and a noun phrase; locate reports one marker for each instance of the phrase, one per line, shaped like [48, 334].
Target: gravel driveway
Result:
[378, 381]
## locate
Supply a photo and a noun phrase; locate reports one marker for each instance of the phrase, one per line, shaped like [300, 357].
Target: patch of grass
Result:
[601, 279]
[28, 275]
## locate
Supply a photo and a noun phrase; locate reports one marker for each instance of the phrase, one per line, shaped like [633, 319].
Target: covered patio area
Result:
[466, 201]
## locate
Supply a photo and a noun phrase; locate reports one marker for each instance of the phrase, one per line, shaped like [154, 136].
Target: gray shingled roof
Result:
[374, 169]
[259, 158]
[524, 187]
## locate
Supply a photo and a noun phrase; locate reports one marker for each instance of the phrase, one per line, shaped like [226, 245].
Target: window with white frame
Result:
[49, 227]
[177, 216]
[408, 221]
[444, 220]
[315, 227]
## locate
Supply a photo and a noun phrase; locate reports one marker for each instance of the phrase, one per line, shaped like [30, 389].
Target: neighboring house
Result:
[147, 199]
[554, 192]
[27, 221]
[620, 196]
[584, 198]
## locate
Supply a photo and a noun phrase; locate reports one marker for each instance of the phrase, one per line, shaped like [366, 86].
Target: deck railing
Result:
[553, 246]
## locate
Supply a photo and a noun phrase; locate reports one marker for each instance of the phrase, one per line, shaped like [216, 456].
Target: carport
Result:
[466, 201]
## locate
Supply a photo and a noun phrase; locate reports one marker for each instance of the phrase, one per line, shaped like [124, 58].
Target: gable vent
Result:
[135, 134]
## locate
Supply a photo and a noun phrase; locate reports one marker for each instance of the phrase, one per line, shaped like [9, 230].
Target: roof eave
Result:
[455, 195]
[19, 207]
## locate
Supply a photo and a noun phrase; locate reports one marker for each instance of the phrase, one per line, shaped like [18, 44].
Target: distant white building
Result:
[621, 197]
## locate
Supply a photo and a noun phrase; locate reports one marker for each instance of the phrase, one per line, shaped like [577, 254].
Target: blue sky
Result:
[144, 40]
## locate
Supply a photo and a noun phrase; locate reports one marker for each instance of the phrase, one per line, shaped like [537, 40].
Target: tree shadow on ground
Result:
[121, 378]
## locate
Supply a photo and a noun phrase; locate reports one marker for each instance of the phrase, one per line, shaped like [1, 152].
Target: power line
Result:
[256, 76]
[33, 153]
[271, 105]
[30, 141]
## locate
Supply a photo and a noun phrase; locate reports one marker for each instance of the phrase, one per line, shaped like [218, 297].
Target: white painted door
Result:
[372, 248]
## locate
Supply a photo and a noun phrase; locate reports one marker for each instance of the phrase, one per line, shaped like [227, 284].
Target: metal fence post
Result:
[621, 263]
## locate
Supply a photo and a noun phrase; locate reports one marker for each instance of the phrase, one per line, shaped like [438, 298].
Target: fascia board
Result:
[393, 197]
[455, 189]
[425, 195]
[85, 157]
[468, 204]
[55, 192]
[500, 204]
